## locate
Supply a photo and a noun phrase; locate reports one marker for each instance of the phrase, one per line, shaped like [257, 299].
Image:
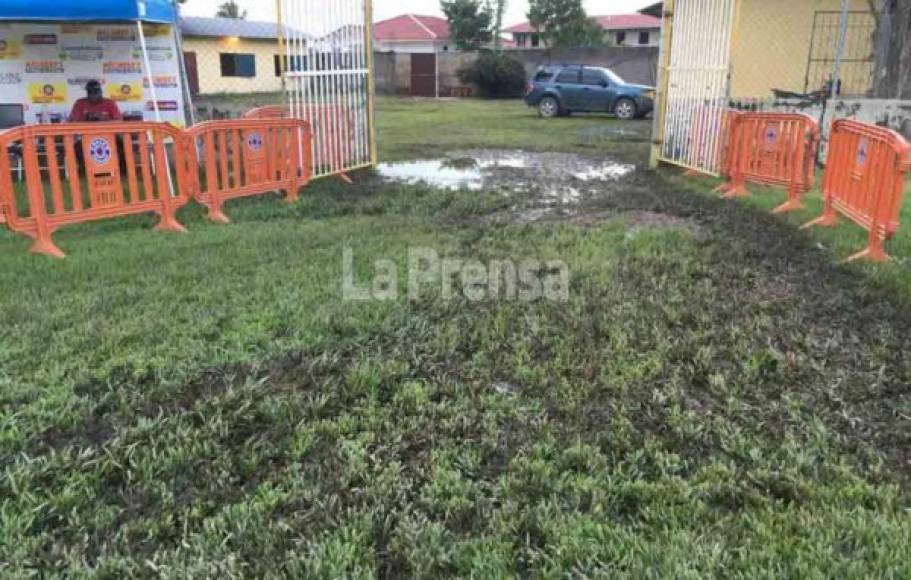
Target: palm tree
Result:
[230, 9]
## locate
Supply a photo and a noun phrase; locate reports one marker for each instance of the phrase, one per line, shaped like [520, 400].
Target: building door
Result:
[697, 83]
[423, 75]
[189, 59]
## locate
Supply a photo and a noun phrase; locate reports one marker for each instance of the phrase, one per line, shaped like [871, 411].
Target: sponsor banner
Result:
[81, 52]
[163, 106]
[9, 49]
[10, 78]
[156, 53]
[118, 34]
[122, 67]
[41, 39]
[80, 29]
[161, 82]
[46, 93]
[82, 81]
[156, 30]
[124, 92]
[43, 67]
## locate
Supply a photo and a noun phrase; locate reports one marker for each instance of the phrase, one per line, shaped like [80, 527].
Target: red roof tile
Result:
[412, 27]
[614, 22]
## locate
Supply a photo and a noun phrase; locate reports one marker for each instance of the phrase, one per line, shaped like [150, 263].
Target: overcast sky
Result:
[265, 9]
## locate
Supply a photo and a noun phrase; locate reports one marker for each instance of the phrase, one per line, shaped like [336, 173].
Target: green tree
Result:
[469, 22]
[231, 9]
[564, 23]
[498, 10]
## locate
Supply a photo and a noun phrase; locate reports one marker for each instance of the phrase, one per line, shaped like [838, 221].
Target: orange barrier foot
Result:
[790, 205]
[291, 196]
[872, 254]
[170, 225]
[218, 216]
[344, 177]
[722, 189]
[46, 246]
[735, 191]
[823, 221]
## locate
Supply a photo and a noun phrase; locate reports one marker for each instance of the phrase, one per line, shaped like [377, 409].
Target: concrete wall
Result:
[893, 114]
[208, 60]
[635, 64]
[407, 46]
[384, 66]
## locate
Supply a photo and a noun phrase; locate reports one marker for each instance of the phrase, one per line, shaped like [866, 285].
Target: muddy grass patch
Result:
[546, 179]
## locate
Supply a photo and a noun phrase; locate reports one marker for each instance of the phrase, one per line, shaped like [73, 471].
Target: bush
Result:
[496, 76]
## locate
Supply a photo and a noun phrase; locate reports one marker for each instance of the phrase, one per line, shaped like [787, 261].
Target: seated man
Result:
[94, 107]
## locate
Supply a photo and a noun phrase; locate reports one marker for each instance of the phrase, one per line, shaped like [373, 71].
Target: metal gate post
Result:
[664, 61]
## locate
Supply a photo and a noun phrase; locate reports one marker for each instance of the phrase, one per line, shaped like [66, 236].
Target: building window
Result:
[293, 63]
[238, 65]
[535, 41]
[644, 37]
[621, 38]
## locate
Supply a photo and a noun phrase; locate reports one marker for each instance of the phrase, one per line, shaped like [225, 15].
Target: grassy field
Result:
[716, 397]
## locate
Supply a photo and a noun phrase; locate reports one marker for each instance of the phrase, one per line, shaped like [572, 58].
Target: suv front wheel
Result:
[626, 109]
[549, 108]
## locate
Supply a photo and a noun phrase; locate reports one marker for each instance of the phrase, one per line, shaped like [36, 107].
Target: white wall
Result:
[414, 47]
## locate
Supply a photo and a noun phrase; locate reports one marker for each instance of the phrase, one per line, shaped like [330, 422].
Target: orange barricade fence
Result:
[727, 152]
[333, 133]
[248, 157]
[863, 180]
[773, 149]
[83, 172]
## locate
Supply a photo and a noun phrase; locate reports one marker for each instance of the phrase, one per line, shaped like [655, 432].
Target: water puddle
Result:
[433, 172]
[556, 178]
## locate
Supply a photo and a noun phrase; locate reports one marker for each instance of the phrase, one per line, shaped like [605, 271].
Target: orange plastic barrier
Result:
[333, 133]
[83, 172]
[863, 180]
[248, 157]
[727, 151]
[773, 149]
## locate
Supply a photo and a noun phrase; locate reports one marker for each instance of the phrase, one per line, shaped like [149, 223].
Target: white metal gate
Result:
[697, 82]
[328, 70]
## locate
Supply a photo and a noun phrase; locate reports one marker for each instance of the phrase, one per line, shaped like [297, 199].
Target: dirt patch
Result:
[583, 217]
[643, 220]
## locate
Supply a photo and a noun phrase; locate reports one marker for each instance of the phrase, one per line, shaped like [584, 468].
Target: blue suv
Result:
[558, 91]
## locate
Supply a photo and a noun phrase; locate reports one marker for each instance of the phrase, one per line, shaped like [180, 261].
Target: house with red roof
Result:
[412, 33]
[619, 30]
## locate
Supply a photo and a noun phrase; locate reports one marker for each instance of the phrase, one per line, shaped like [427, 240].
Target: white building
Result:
[619, 30]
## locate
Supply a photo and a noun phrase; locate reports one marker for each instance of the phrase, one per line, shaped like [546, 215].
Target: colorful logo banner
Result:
[47, 93]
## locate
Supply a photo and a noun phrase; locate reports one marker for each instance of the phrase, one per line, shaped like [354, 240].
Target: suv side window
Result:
[592, 77]
[568, 76]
